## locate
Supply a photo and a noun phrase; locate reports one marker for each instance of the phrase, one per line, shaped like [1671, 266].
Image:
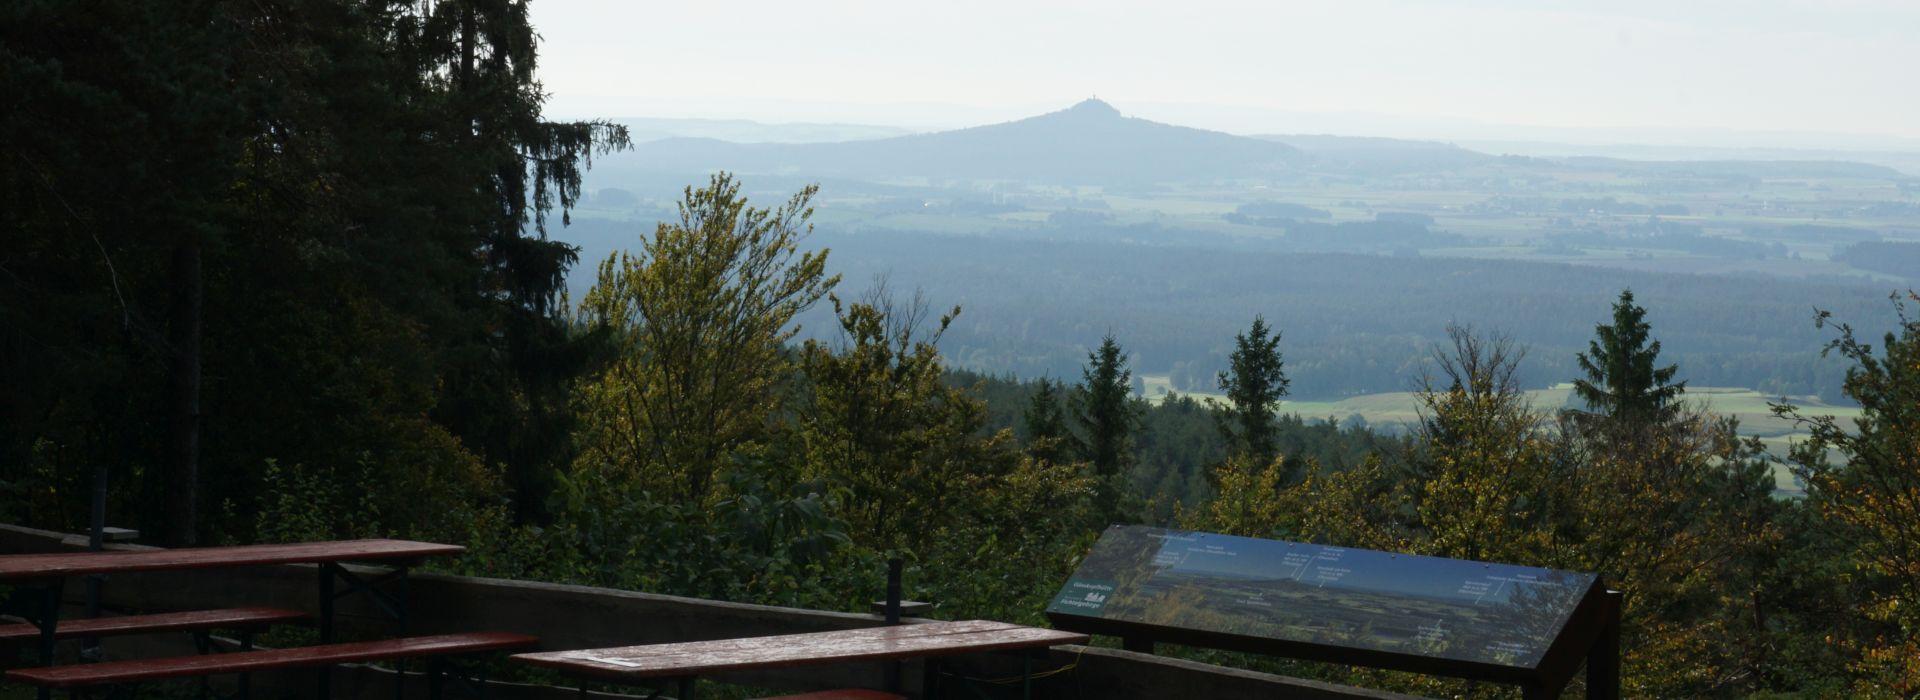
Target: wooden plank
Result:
[141, 670]
[842, 694]
[43, 566]
[229, 618]
[870, 644]
[749, 644]
[863, 634]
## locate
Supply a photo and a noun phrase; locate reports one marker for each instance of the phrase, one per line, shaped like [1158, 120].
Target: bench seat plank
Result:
[141, 670]
[867, 644]
[20, 567]
[229, 618]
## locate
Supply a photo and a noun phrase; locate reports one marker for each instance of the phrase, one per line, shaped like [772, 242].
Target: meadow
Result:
[1398, 411]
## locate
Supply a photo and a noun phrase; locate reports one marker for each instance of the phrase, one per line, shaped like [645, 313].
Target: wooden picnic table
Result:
[687, 660]
[38, 579]
[31, 567]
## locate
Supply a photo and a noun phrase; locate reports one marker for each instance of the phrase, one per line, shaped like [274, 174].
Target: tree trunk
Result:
[183, 473]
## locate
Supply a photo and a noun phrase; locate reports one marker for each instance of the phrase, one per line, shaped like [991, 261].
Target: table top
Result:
[20, 567]
[843, 646]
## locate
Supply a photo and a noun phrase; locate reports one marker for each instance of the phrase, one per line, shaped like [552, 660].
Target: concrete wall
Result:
[575, 617]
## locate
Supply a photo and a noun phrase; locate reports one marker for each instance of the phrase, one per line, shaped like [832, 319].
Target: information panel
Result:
[1333, 596]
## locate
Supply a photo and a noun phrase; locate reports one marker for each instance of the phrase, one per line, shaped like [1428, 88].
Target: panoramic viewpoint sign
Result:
[1517, 624]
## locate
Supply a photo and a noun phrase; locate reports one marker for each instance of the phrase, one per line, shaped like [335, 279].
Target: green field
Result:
[1399, 410]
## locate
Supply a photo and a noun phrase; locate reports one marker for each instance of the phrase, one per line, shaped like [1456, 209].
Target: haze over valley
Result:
[1050, 231]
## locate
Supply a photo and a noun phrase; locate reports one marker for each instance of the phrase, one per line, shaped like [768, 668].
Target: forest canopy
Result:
[281, 271]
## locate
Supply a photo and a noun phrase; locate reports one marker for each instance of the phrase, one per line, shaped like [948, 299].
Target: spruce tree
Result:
[1045, 423]
[1107, 415]
[193, 190]
[1254, 384]
[1623, 380]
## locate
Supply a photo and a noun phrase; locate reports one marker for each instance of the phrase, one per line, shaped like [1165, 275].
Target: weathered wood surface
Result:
[230, 618]
[141, 670]
[22, 567]
[579, 617]
[843, 694]
[871, 644]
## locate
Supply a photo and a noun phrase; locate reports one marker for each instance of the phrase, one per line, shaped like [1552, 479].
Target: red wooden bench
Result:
[146, 670]
[43, 575]
[195, 621]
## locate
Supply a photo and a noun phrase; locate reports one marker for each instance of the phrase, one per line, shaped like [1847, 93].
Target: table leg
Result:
[1026, 676]
[244, 684]
[90, 651]
[39, 604]
[326, 602]
[394, 604]
[323, 685]
[399, 611]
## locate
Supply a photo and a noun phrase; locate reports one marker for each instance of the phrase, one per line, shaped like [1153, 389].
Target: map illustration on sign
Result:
[1426, 606]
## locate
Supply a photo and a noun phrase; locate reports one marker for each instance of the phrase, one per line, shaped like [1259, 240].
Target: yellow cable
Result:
[1010, 680]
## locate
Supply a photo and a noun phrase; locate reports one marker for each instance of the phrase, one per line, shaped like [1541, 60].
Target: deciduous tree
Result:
[699, 319]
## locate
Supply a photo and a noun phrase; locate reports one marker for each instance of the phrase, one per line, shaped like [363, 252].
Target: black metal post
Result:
[326, 602]
[47, 619]
[96, 541]
[1026, 676]
[323, 686]
[244, 684]
[436, 678]
[894, 568]
[400, 630]
[1603, 661]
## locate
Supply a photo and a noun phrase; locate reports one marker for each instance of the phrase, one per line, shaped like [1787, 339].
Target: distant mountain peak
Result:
[1093, 107]
[1090, 142]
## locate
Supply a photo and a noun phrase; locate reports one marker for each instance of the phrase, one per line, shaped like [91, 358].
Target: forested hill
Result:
[1089, 143]
[1353, 323]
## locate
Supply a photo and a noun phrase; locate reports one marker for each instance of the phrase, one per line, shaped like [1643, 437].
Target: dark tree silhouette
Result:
[1623, 380]
[1254, 384]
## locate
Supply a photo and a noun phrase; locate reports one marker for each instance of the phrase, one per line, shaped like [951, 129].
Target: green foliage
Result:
[292, 258]
[763, 541]
[1044, 423]
[1355, 324]
[1682, 523]
[1623, 380]
[820, 461]
[878, 415]
[1254, 383]
[1107, 415]
[1870, 500]
[698, 322]
[243, 231]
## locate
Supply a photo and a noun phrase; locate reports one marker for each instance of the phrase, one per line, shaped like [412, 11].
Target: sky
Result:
[1812, 73]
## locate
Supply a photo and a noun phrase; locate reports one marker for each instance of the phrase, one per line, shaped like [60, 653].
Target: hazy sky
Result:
[1835, 66]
